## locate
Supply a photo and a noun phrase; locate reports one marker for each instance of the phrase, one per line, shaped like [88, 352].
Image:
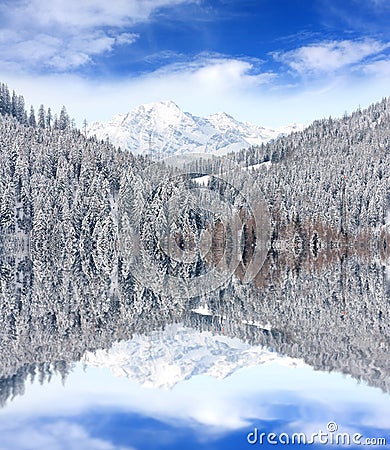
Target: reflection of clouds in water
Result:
[298, 397]
[57, 435]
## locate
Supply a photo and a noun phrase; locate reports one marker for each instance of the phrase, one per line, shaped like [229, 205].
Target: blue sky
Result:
[271, 62]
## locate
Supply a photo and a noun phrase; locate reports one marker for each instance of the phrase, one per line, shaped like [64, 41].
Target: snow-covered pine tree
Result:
[41, 117]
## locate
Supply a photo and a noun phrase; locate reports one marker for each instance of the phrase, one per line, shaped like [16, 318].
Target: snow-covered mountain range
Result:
[163, 129]
[162, 359]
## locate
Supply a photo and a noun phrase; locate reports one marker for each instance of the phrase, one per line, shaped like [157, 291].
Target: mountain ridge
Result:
[163, 129]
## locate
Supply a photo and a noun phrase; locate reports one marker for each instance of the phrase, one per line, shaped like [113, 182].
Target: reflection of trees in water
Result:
[311, 245]
[324, 300]
[313, 316]
[332, 314]
[14, 385]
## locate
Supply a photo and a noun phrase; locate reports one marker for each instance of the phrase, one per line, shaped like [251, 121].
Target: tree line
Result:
[14, 106]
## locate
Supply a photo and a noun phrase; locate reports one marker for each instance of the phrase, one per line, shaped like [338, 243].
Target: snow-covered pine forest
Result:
[303, 182]
[67, 205]
[309, 167]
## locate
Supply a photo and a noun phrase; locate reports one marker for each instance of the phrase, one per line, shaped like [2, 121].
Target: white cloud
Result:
[217, 73]
[126, 38]
[207, 84]
[380, 68]
[330, 56]
[204, 85]
[91, 13]
[59, 435]
[209, 406]
[63, 35]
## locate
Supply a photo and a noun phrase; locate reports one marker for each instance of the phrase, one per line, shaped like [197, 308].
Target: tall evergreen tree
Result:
[49, 118]
[55, 122]
[21, 113]
[31, 120]
[14, 104]
[41, 117]
[64, 119]
[85, 124]
[5, 100]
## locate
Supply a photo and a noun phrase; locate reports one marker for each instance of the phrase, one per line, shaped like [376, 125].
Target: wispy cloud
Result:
[91, 13]
[377, 3]
[209, 84]
[55, 435]
[212, 71]
[54, 51]
[61, 35]
[330, 56]
[202, 85]
[379, 68]
[201, 403]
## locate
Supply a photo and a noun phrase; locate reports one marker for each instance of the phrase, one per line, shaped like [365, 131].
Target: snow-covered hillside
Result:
[164, 358]
[164, 129]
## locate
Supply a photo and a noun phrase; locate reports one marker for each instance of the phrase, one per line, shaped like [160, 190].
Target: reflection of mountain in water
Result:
[163, 358]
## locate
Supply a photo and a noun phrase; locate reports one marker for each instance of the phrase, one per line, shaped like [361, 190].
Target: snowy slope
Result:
[164, 358]
[164, 129]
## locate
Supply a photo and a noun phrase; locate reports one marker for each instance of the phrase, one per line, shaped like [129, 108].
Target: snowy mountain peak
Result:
[223, 121]
[163, 129]
[157, 116]
[221, 116]
[166, 107]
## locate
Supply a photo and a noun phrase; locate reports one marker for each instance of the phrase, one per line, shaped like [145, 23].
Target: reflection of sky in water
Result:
[96, 411]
